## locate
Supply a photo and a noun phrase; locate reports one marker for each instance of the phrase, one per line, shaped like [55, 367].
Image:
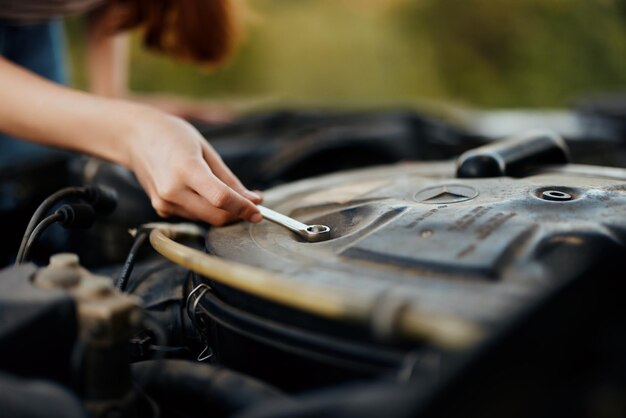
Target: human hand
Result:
[180, 171]
[184, 175]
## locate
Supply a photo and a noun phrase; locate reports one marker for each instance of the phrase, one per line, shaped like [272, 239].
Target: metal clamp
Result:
[201, 289]
[192, 314]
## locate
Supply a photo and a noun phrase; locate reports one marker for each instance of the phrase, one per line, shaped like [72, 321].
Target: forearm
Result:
[41, 111]
[106, 59]
[179, 170]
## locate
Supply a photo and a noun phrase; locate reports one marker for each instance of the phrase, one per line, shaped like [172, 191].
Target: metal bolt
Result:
[556, 195]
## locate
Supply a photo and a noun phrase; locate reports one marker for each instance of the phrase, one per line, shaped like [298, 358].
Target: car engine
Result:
[463, 275]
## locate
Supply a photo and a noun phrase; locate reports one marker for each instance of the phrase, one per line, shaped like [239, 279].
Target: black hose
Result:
[193, 389]
[101, 198]
[340, 352]
[129, 264]
[373, 399]
[43, 208]
[42, 226]
[20, 397]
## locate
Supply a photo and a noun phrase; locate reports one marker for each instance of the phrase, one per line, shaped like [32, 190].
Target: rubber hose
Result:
[199, 390]
[364, 400]
[31, 398]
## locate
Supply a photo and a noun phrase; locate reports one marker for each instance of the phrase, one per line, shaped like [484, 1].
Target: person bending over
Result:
[179, 170]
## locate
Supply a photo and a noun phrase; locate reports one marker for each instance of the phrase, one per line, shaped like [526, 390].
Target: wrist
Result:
[131, 131]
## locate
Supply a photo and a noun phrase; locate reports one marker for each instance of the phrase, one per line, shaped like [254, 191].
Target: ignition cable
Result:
[75, 215]
[101, 198]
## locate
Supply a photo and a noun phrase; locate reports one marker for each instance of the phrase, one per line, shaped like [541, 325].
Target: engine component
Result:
[76, 215]
[483, 251]
[98, 198]
[195, 390]
[85, 326]
[437, 293]
[106, 321]
[513, 157]
[27, 315]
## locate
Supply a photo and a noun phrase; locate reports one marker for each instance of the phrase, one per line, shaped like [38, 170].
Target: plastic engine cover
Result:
[476, 249]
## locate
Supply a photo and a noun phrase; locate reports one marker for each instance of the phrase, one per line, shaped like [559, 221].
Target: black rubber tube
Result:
[36, 233]
[43, 208]
[31, 398]
[356, 356]
[194, 389]
[129, 264]
[364, 400]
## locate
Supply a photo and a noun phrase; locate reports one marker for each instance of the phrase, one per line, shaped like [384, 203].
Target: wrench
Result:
[311, 233]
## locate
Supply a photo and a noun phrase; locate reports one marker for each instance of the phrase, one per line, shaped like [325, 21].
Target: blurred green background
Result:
[377, 53]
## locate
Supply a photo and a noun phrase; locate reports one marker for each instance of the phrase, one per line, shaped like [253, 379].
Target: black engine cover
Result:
[488, 251]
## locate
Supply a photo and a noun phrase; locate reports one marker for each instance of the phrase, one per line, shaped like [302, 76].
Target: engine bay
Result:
[464, 276]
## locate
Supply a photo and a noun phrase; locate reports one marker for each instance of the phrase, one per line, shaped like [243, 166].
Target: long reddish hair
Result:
[202, 31]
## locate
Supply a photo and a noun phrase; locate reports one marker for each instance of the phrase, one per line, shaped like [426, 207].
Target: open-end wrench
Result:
[311, 233]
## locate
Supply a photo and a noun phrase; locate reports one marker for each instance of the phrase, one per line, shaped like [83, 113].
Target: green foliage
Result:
[377, 52]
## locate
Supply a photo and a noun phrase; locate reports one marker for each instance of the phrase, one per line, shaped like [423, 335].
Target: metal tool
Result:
[311, 233]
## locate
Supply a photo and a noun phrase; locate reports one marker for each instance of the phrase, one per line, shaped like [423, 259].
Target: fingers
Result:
[194, 192]
[222, 172]
[217, 194]
[197, 208]
[184, 176]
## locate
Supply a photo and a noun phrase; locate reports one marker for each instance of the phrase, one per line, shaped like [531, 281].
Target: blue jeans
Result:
[39, 48]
